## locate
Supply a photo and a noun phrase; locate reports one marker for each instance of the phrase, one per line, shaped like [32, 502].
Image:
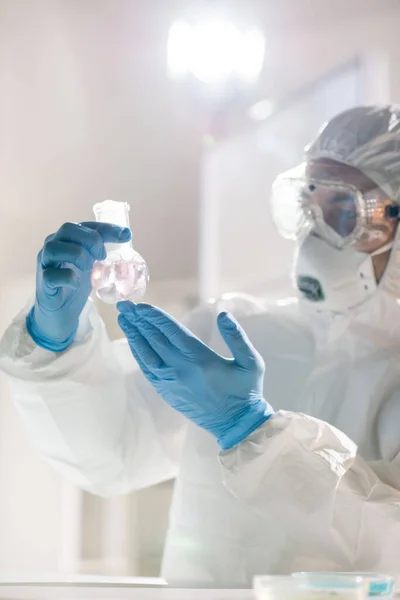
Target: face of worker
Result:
[383, 232]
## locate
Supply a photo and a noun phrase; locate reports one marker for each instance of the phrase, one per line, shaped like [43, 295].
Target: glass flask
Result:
[123, 275]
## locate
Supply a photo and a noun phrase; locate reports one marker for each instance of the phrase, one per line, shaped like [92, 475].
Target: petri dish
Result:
[311, 586]
[379, 585]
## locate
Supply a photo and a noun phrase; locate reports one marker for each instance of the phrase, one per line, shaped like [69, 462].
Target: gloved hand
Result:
[224, 396]
[63, 280]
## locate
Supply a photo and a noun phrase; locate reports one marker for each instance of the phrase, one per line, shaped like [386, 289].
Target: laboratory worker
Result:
[291, 466]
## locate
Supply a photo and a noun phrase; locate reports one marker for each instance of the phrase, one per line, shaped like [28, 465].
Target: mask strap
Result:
[382, 250]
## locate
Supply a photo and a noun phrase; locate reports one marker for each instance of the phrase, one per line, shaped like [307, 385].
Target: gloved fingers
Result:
[148, 360]
[110, 234]
[48, 238]
[238, 343]
[92, 236]
[87, 238]
[176, 333]
[126, 307]
[157, 340]
[54, 253]
[57, 278]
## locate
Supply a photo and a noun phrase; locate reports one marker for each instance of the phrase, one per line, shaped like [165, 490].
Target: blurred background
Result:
[96, 102]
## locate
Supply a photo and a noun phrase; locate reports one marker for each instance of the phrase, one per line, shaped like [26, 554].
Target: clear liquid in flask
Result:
[116, 280]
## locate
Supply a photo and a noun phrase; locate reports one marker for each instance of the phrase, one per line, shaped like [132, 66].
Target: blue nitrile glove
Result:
[223, 396]
[63, 280]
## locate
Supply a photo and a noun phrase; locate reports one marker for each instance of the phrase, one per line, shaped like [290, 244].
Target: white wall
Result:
[86, 113]
[313, 37]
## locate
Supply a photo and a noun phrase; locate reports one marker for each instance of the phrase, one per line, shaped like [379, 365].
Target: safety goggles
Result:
[339, 212]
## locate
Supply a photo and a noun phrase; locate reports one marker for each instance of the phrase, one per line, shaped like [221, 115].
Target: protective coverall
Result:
[316, 487]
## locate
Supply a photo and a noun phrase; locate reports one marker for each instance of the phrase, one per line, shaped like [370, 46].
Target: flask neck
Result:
[116, 213]
[113, 212]
[117, 252]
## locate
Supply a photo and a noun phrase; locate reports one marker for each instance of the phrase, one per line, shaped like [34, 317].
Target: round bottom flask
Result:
[123, 275]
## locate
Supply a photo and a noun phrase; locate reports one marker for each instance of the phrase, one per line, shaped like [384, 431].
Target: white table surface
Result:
[32, 592]
[55, 579]
[84, 587]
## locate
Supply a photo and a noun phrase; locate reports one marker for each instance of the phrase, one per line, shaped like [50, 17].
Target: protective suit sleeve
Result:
[336, 512]
[89, 410]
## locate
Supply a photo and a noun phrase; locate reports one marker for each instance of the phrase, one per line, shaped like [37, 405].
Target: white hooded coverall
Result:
[316, 487]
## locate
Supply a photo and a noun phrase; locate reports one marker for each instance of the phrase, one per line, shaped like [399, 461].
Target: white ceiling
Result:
[87, 112]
